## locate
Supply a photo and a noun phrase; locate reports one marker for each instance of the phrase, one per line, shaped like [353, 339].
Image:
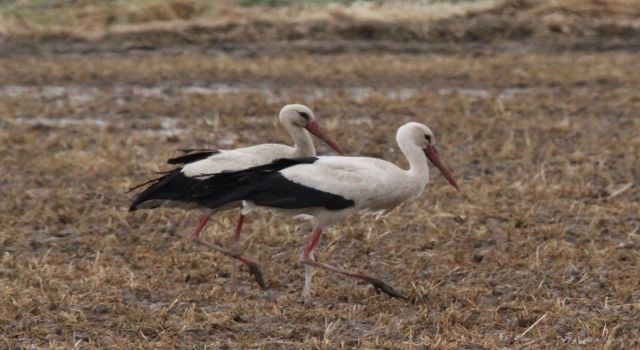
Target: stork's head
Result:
[301, 116]
[422, 136]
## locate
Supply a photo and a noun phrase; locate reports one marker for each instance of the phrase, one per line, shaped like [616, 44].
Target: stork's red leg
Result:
[234, 247]
[236, 235]
[254, 269]
[307, 255]
[308, 260]
[203, 221]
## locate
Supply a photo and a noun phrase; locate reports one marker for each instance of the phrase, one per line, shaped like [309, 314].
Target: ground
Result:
[540, 249]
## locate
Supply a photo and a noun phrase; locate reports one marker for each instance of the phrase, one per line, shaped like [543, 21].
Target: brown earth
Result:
[545, 25]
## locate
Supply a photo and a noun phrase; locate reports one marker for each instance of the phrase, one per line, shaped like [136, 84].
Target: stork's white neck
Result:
[418, 164]
[302, 142]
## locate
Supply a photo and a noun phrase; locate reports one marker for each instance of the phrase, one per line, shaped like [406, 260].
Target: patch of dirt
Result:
[540, 250]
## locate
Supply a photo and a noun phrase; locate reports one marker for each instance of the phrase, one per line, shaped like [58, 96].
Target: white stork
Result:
[328, 189]
[174, 188]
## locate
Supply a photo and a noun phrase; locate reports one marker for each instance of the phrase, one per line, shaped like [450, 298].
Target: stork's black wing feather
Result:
[279, 192]
[213, 185]
[264, 185]
[192, 155]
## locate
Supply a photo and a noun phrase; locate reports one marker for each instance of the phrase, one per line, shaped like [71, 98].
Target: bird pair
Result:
[294, 181]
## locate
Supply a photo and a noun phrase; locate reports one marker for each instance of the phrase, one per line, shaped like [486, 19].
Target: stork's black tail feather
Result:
[174, 186]
[155, 180]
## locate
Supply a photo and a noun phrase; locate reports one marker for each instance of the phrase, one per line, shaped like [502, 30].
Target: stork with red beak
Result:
[175, 188]
[328, 189]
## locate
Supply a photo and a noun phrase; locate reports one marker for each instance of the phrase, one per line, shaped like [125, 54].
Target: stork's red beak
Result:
[323, 135]
[432, 154]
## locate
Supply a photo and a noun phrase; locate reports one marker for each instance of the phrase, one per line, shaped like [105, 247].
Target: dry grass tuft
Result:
[623, 9]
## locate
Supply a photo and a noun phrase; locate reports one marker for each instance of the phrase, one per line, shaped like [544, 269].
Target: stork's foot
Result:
[255, 271]
[377, 283]
[380, 286]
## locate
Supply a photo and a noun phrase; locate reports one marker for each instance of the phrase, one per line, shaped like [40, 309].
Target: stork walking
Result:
[328, 189]
[175, 188]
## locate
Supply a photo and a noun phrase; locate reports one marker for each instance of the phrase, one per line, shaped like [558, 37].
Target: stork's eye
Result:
[305, 115]
[428, 138]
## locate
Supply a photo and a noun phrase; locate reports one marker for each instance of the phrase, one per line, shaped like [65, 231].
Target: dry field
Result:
[541, 250]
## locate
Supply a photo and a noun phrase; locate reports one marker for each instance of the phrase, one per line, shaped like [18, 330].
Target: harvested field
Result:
[541, 250]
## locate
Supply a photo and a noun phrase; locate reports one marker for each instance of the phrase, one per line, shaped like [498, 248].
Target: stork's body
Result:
[330, 188]
[175, 188]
